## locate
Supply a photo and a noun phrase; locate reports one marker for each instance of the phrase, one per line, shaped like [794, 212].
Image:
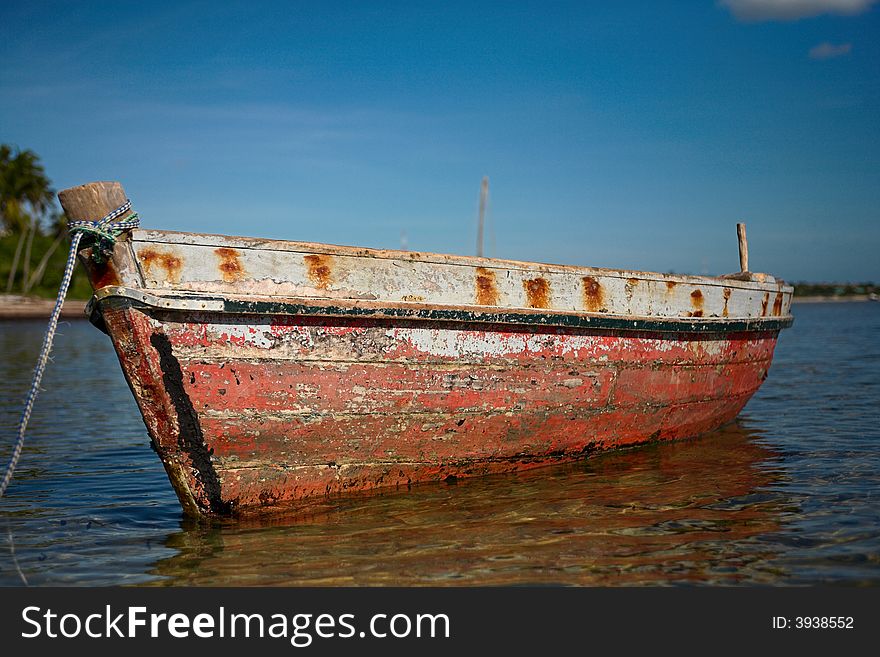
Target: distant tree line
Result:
[805, 289]
[33, 235]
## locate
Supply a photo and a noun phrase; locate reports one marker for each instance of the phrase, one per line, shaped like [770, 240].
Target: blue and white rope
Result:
[104, 232]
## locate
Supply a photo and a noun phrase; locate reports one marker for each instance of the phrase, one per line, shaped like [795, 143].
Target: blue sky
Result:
[615, 134]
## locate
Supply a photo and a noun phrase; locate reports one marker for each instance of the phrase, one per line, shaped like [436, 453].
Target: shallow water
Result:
[790, 494]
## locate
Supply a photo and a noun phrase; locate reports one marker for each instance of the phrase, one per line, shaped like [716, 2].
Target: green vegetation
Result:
[45, 285]
[804, 289]
[33, 239]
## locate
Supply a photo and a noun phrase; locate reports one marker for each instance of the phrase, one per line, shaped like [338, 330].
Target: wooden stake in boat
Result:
[743, 248]
[484, 201]
[87, 202]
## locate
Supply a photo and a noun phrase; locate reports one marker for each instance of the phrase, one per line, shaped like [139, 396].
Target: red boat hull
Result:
[255, 412]
[271, 372]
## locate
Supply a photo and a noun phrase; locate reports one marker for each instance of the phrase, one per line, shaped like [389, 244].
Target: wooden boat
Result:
[269, 372]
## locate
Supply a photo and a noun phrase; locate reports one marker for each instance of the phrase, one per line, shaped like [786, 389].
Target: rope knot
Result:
[101, 234]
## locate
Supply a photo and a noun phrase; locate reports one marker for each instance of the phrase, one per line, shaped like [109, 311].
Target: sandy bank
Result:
[18, 307]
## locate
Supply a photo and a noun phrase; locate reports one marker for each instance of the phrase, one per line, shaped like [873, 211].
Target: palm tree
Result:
[25, 195]
[58, 224]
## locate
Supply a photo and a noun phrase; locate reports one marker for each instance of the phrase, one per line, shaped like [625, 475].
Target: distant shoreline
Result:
[831, 299]
[18, 307]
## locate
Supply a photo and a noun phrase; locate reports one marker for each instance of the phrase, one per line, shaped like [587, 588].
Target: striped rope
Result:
[104, 236]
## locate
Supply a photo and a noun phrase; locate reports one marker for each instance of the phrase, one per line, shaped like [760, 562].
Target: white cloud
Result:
[790, 10]
[827, 50]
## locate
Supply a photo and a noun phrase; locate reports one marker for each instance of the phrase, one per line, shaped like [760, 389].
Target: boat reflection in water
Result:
[671, 512]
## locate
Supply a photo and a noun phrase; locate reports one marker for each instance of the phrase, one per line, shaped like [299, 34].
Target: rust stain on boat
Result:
[777, 304]
[537, 292]
[102, 274]
[726, 294]
[764, 303]
[167, 261]
[670, 286]
[230, 266]
[594, 295]
[697, 302]
[487, 290]
[319, 269]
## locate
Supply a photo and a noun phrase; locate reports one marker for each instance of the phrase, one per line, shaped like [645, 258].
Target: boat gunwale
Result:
[251, 305]
[155, 236]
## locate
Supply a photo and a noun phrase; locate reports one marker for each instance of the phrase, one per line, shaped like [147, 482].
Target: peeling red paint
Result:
[314, 338]
[346, 405]
[312, 387]
[681, 384]
[365, 465]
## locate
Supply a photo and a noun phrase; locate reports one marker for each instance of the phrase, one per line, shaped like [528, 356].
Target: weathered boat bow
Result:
[269, 372]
